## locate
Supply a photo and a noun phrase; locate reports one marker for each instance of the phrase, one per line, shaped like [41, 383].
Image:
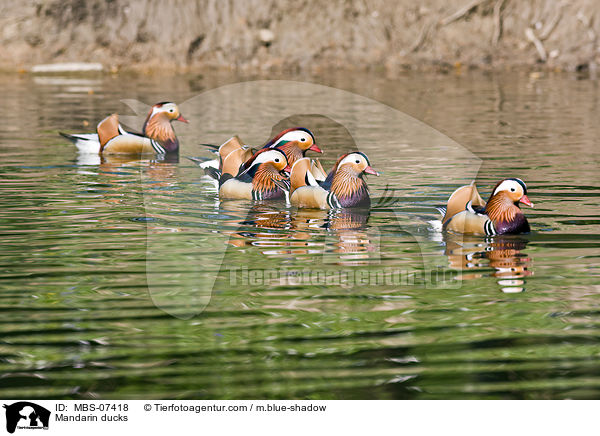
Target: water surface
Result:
[101, 261]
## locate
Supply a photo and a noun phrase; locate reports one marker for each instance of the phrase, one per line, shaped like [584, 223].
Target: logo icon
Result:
[26, 415]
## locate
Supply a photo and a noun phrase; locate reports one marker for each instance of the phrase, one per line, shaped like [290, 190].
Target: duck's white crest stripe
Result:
[511, 183]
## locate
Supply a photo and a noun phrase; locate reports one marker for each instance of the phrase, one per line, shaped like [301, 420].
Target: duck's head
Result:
[356, 163]
[158, 125]
[168, 110]
[271, 157]
[513, 189]
[296, 137]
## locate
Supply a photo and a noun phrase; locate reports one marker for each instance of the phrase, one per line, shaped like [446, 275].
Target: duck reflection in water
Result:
[300, 231]
[160, 169]
[265, 224]
[157, 172]
[88, 159]
[502, 253]
[354, 246]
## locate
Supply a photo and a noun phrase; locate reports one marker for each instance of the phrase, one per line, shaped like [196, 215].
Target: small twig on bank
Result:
[529, 33]
[549, 28]
[497, 21]
[422, 37]
[462, 12]
[589, 24]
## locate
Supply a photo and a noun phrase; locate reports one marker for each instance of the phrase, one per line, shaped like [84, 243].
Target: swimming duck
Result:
[293, 142]
[157, 135]
[468, 213]
[344, 186]
[261, 178]
[214, 167]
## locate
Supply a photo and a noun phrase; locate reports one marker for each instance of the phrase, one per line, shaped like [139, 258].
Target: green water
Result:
[107, 276]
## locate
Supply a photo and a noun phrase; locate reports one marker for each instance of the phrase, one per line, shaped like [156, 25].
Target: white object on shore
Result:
[266, 36]
[67, 67]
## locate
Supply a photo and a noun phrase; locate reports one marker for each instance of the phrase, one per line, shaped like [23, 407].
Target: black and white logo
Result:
[26, 415]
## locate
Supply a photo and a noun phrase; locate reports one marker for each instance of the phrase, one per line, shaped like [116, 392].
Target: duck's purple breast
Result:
[359, 198]
[516, 226]
[273, 194]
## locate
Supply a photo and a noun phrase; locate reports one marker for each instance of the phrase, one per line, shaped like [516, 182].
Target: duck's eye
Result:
[171, 110]
[512, 189]
[302, 139]
[357, 161]
[277, 160]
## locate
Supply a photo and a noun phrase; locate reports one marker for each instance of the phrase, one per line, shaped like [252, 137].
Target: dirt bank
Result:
[301, 34]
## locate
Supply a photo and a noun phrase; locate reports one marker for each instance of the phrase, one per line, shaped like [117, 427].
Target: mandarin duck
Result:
[293, 142]
[262, 177]
[213, 168]
[344, 186]
[467, 213]
[157, 135]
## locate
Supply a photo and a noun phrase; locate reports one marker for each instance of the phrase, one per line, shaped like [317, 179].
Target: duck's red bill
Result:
[526, 201]
[370, 170]
[315, 148]
[288, 169]
[180, 118]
